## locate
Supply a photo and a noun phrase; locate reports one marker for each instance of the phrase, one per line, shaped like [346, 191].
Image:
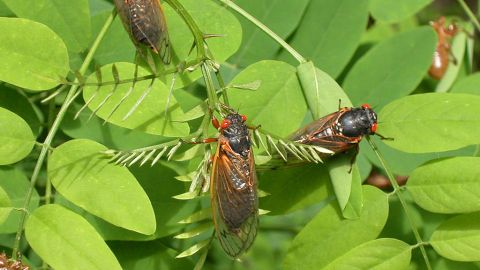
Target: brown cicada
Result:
[233, 186]
[341, 130]
[145, 22]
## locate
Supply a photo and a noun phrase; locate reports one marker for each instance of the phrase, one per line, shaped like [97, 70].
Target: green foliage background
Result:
[83, 211]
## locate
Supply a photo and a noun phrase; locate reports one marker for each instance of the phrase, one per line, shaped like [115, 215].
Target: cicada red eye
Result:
[374, 128]
[244, 118]
[366, 106]
[225, 124]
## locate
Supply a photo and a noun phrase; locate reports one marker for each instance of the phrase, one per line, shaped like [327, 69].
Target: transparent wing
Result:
[234, 200]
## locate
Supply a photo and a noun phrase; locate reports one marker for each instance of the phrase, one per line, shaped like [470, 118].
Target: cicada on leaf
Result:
[233, 186]
[145, 22]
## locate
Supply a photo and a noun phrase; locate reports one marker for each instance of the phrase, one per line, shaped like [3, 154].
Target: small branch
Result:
[396, 188]
[265, 29]
[469, 14]
[53, 131]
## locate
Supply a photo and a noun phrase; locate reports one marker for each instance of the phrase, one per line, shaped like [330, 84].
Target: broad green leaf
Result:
[4, 11]
[5, 205]
[16, 137]
[149, 117]
[468, 85]
[458, 238]
[384, 253]
[112, 136]
[381, 31]
[393, 11]
[16, 185]
[310, 184]
[402, 163]
[447, 185]
[151, 255]
[330, 32]
[444, 264]
[433, 122]
[347, 185]
[354, 206]
[321, 91]
[168, 211]
[328, 236]
[278, 105]
[65, 240]
[392, 69]
[458, 46]
[33, 56]
[282, 17]
[82, 174]
[69, 19]
[18, 103]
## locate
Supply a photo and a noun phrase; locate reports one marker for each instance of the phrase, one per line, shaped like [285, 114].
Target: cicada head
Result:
[357, 122]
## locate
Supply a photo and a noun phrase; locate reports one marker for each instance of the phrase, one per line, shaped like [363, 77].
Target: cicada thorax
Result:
[234, 187]
[339, 131]
[441, 56]
[145, 22]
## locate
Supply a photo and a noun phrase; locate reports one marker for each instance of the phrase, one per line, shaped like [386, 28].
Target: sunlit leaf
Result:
[16, 137]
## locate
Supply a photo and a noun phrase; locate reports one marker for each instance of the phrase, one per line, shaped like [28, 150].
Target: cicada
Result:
[442, 54]
[341, 130]
[145, 22]
[233, 186]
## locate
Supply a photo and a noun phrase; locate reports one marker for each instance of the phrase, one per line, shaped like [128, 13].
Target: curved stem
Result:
[470, 14]
[53, 131]
[197, 33]
[265, 29]
[396, 188]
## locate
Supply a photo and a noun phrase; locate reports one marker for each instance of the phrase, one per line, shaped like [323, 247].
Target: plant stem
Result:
[197, 33]
[52, 132]
[265, 29]
[212, 93]
[398, 192]
[470, 14]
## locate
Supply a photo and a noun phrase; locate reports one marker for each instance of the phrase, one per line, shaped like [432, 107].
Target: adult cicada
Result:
[145, 22]
[233, 186]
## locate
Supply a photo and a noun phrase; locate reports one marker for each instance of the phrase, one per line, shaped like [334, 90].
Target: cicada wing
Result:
[235, 207]
[145, 22]
[316, 127]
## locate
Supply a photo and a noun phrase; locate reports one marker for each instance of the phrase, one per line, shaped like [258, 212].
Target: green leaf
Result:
[328, 236]
[65, 240]
[338, 169]
[458, 238]
[279, 94]
[321, 91]
[330, 33]
[33, 56]
[16, 137]
[168, 211]
[81, 173]
[311, 185]
[18, 103]
[393, 11]
[5, 205]
[457, 49]
[439, 187]
[16, 185]
[112, 136]
[354, 206]
[69, 19]
[468, 85]
[384, 253]
[282, 17]
[149, 117]
[433, 122]
[151, 255]
[391, 69]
